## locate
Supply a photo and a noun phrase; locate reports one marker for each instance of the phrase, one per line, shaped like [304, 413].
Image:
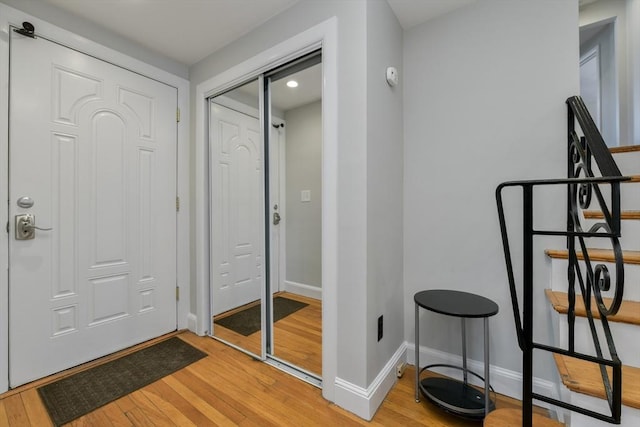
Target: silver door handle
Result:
[26, 228]
[276, 218]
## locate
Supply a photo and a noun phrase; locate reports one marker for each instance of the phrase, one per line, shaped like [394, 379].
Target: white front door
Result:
[237, 218]
[93, 148]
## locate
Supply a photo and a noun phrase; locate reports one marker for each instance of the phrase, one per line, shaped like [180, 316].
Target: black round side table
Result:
[455, 396]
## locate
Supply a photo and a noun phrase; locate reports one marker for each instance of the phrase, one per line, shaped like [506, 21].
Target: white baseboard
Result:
[302, 289]
[365, 402]
[503, 381]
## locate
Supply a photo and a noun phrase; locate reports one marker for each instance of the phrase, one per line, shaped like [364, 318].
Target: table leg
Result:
[464, 349]
[417, 351]
[487, 399]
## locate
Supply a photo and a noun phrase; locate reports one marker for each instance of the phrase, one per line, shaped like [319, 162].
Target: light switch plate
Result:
[305, 196]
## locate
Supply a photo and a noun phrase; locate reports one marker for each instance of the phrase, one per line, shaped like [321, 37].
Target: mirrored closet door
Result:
[295, 101]
[265, 149]
[236, 217]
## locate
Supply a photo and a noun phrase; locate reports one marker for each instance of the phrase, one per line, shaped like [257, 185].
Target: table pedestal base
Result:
[455, 396]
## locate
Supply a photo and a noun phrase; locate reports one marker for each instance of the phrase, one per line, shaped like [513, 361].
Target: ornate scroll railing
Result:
[582, 185]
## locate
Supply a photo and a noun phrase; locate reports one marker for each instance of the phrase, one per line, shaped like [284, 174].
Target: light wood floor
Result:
[231, 388]
[298, 337]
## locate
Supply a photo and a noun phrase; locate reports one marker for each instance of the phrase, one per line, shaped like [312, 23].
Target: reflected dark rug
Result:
[72, 397]
[247, 321]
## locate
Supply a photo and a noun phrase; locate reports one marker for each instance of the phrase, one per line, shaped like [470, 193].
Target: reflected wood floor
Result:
[298, 336]
[230, 388]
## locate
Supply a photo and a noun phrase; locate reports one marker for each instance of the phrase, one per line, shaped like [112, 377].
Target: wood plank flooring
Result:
[230, 388]
[513, 418]
[298, 337]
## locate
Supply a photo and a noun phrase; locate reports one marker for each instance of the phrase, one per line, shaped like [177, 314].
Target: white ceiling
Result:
[285, 98]
[413, 12]
[183, 30]
[309, 89]
[190, 30]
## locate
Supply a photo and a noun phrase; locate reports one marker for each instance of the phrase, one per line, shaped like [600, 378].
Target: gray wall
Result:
[385, 154]
[91, 31]
[303, 220]
[484, 102]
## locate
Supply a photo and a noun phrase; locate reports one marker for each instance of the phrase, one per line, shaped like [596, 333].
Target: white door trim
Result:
[322, 35]
[10, 16]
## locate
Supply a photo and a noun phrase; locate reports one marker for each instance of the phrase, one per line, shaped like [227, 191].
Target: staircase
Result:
[581, 382]
[595, 288]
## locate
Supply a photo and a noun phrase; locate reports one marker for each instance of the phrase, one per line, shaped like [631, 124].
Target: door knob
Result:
[276, 218]
[25, 202]
[25, 226]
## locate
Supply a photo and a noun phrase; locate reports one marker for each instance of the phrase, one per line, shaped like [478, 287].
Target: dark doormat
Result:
[84, 392]
[247, 321]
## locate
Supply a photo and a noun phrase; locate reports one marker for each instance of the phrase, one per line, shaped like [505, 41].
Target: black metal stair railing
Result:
[582, 184]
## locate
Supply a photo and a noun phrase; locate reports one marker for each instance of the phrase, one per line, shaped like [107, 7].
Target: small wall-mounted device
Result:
[392, 76]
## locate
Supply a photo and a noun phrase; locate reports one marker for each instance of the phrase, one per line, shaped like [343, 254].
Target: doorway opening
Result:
[598, 81]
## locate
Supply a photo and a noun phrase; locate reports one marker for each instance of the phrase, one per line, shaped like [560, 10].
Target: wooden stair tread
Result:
[584, 377]
[508, 417]
[624, 149]
[602, 255]
[634, 178]
[624, 215]
[629, 310]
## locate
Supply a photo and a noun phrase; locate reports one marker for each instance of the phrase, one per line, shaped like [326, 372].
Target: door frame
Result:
[12, 17]
[323, 35]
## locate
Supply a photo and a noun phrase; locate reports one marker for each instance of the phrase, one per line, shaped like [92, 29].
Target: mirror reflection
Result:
[237, 218]
[286, 326]
[295, 199]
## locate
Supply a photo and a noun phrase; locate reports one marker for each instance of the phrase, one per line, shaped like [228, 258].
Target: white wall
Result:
[484, 102]
[303, 220]
[385, 136]
[617, 9]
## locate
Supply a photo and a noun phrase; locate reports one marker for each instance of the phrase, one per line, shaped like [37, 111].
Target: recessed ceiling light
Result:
[292, 83]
